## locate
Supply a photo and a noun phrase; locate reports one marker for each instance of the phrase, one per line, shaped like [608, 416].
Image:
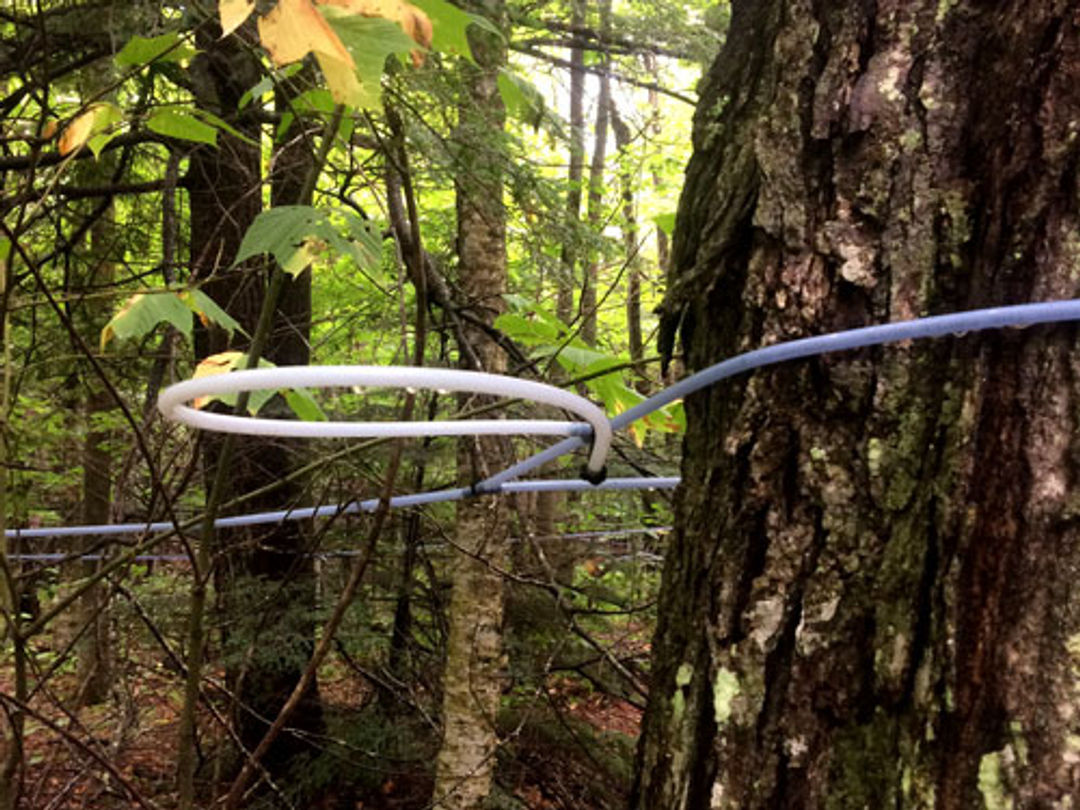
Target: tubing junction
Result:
[594, 431]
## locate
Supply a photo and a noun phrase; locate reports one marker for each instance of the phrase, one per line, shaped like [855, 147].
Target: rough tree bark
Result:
[869, 599]
[474, 674]
[265, 587]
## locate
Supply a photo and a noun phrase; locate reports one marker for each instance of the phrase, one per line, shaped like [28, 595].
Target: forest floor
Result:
[122, 753]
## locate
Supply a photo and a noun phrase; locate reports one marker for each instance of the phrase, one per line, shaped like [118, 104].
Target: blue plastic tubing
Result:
[961, 323]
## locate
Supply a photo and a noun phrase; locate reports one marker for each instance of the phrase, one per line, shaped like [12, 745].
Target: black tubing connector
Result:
[594, 478]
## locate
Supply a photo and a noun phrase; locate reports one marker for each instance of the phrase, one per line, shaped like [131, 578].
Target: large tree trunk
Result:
[870, 591]
[267, 586]
[473, 678]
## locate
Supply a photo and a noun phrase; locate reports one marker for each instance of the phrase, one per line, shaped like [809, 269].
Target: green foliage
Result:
[143, 312]
[176, 123]
[170, 47]
[549, 338]
[370, 41]
[522, 99]
[449, 26]
[299, 400]
[131, 269]
[666, 222]
[298, 235]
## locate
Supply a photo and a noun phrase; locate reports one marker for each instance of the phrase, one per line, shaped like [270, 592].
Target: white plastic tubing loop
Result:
[172, 401]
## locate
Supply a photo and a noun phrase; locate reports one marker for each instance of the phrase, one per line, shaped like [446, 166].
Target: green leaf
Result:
[303, 404]
[314, 100]
[223, 363]
[98, 142]
[665, 222]
[96, 123]
[105, 129]
[295, 235]
[577, 358]
[529, 307]
[164, 48]
[183, 125]
[283, 126]
[220, 123]
[449, 25]
[523, 101]
[526, 330]
[141, 314]
[266, 84]
[208, 311]
[370, 41]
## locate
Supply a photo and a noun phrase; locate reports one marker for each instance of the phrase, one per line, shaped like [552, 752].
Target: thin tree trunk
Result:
[595, 211]
[568, 257]
[474, 674]
[630, 239]
[90, 616]
[95, 648]
[870, 594]
[11, 724]
[656, 127]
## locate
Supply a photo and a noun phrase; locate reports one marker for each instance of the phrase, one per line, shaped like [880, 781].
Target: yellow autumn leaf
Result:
[88, 123]
[341, 79]
[211, 366]
[295, 28]
[234, 13]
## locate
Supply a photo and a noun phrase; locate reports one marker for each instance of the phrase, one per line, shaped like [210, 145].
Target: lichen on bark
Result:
[890, 581]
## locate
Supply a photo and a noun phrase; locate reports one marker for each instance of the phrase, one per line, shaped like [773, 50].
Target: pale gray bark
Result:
[474, 674]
